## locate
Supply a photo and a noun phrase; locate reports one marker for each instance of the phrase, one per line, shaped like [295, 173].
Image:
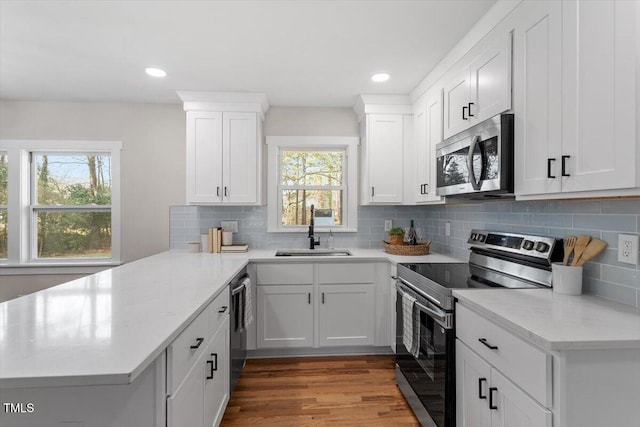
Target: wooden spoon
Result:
[569, 244]
[581, 245]
[595, 247]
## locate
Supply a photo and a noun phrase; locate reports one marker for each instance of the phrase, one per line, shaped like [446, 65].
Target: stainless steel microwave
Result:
[478, 162]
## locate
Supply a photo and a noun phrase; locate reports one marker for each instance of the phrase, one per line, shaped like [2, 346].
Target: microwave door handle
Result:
[475, 183]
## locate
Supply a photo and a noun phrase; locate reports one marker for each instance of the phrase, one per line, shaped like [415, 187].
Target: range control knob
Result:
[528, 245]
[542, 247]
[474, 236]
[481, 237]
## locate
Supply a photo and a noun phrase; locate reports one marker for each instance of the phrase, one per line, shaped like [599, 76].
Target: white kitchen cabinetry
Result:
[225, 158]
[575, 97]
[386, 130]
[346, 315]
[486, 398]
[198, 368]
[285, 316]
[479, 86]
[316, 305]
[428, 123]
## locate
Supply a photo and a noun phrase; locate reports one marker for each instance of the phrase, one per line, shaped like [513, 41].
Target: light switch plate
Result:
[447, 229]
[628, 248]
[229, 226]
[388, 224]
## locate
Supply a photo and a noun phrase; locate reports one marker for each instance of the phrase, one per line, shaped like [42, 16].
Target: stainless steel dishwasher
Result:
[238, 328]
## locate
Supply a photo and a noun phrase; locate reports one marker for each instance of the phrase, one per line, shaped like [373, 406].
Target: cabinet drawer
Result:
[220, 308]
[520, 361]
[346, 273]
[183, 352]
[285, 274]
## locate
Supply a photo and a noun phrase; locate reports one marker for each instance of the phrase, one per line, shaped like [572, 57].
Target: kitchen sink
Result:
[313, 252]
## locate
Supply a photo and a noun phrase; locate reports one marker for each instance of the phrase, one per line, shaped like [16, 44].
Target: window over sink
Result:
[305, 171]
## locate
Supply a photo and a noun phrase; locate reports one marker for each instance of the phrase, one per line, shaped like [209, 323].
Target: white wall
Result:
[153, 163]
[308, 121]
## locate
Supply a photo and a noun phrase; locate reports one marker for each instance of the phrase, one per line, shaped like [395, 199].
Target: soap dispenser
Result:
[330, 244]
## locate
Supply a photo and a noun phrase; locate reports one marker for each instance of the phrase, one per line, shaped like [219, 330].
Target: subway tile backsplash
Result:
[604, 219]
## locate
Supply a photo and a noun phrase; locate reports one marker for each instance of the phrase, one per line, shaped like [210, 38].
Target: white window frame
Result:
[21, 237]
[347, 144]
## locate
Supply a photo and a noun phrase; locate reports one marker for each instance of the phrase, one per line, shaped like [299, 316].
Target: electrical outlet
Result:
[229, 226]
[628, 248]
[447, 229]
[388, 224]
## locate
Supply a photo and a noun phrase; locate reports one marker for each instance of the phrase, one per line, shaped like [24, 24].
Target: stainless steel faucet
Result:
[312, 241]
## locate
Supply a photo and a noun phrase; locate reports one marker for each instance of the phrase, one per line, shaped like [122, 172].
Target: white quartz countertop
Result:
[558, 322]
[106, 328]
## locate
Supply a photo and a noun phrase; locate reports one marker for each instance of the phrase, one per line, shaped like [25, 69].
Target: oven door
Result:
[430, 375]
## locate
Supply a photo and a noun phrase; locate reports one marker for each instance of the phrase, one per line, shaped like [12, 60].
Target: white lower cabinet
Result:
[285, 316]
[486, 398]
[200, 395]
[346, 315]
[337, 306]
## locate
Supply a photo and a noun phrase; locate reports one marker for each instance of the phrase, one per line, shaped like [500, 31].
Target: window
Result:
[64, 196]
[318, 171]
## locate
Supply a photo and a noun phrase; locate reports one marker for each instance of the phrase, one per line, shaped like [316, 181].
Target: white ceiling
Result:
[298, 52]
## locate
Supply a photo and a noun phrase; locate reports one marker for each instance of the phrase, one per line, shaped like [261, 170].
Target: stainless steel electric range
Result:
[426, 373]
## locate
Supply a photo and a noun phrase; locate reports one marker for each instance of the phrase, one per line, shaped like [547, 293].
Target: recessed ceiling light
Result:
[155, 72]
[380, 77]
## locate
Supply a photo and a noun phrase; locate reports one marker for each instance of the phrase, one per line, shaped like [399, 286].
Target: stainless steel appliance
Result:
[497, 260]
[238, 328]
[478, 162]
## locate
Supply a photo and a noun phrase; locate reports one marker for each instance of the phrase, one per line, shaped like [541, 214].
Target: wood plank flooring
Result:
[319, 391]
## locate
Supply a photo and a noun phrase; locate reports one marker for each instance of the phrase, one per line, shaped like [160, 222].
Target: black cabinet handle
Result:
[199, 341]
[215, 362]
[323, 297]
[218, 191]
[309, 297]
[210, 365]
[491, 390]
[426, 188]
[373, 191]
[469, 110]
[422, 189]
[225, 192]
[484, 341]
[223, 309]
[463, 116]
[549, 161]
[564, 165]
[480, 381]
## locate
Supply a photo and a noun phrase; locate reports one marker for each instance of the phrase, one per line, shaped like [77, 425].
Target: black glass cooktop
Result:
[464, 275]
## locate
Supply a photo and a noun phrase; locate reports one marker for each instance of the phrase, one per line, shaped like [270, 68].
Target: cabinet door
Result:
[185, 406]
[204, 157]
[473, 377]
[240, 159]
[434, 137]
[285, 316]
[456, 96]
[514, 408]
[537, 83]
[600, 84]
[490, 85]
[216, 375]
[384, 157]
[345, 315]
[422, 156]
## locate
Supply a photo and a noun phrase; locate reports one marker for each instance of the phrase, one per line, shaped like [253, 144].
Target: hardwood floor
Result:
[319, 391]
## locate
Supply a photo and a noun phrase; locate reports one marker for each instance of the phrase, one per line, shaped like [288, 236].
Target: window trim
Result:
[321, 143]
[20, 237]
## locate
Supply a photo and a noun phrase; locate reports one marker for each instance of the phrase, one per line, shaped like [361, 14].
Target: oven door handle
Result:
[411, 285]
[237, 290]
[438, 316]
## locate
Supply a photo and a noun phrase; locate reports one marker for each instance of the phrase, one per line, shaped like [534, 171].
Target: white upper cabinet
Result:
[575, 98]
[537, 84]
[428, 133]
[224, 148]
[386, 126]
[600, 82]
[479, 86]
